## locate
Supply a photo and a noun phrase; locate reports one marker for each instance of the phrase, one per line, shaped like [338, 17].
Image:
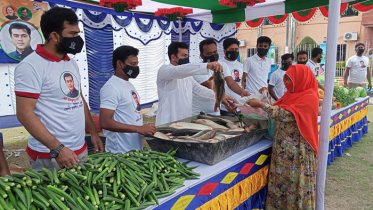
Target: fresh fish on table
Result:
[220, 121]
[185, 132]
[200, 133]
[202, 136]
[161, 136]
[210, 124]
[218, 83]
[166, 129]
[185, 125]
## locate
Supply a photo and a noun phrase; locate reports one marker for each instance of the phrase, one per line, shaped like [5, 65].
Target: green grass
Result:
[349, 183]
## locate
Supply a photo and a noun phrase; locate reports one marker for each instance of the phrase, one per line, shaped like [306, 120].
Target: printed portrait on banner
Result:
[20, 28]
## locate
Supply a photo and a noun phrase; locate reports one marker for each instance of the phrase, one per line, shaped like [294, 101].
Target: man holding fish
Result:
[176, 85]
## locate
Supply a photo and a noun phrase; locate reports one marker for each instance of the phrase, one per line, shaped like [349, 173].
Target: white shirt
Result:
[200, 103]
[61, 110]
[312, 66]
[176, 87]
[277, 80]
[235, 68]
[117, 95]
[257, 71]
[358, 69]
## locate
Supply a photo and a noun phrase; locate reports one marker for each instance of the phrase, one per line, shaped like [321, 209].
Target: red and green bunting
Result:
[255, 23]
[304, 15]
[278, 19]
[364, 7]
[325, 9]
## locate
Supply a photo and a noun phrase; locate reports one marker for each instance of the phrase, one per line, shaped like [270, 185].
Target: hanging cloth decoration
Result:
[364, 7]
[238, 25]
[240, 3]
[278, 19]
[173, 13]
[255, 22]
[304, 15]
[121, 5]
[325, 9]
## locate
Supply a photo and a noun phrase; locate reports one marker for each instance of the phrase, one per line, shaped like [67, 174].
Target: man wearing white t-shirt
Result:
[120, 111]
[257, 67]
[233, 77]
[357, 69]
[176, 85]
[54, 118]
[276, 86]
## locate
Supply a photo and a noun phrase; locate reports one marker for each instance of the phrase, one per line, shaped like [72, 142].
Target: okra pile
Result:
[134, 180]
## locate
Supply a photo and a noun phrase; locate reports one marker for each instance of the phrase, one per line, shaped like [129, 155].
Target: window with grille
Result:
[251, 52]
[341, 52]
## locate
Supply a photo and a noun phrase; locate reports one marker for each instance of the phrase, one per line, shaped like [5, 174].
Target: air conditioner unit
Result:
[242, 42]
[350, 36]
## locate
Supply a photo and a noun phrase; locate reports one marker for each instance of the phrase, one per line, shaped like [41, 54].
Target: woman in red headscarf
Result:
[292, 175]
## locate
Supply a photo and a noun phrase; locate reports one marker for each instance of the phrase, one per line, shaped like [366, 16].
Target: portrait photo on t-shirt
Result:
[236, 75]
[69, 84]
[362, 64]
[135, 100]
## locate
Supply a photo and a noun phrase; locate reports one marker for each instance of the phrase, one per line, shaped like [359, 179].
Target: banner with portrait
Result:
[20, 29]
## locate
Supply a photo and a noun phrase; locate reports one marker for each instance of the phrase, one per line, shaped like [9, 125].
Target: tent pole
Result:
[287, 34]
[180, 30]
[331, 57]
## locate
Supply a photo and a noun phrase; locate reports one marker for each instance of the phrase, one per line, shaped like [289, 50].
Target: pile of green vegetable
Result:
[134, 180]
[347, 96]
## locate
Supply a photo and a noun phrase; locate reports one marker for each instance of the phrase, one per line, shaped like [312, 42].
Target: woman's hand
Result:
[255, 103]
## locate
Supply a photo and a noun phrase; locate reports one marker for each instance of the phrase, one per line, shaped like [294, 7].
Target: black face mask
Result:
[285, 66]
[302, 62]
[131, 71]
[72, 45]
[183, 61]
[211, 58]
[262, 51]
[231, 55]
[319, 60]
[360, 51]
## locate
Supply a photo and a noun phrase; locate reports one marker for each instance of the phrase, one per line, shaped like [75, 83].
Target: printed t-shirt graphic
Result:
[40, 76]
[121, 96]
[235, 70]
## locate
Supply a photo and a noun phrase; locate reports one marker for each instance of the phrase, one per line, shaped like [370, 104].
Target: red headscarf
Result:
[302, 99]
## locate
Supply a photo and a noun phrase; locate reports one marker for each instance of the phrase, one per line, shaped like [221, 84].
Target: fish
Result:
[220, 121]
[232, 132]
[200, 133]
[218, 83]
[210, 124]
[161, 136]
[185, 132]
[208, 135]
[166, 129]
[205, 135]
[185, 125]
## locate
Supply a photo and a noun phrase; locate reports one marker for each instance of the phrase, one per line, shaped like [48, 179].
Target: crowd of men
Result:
[57, 116]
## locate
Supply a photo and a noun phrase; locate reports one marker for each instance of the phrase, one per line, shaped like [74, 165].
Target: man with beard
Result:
[55, 122]
[25, 16]
[21, 38]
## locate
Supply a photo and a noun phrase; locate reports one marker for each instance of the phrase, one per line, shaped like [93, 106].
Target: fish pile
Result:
[206, 129]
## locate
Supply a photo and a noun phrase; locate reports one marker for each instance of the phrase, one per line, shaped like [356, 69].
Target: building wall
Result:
[316, 28]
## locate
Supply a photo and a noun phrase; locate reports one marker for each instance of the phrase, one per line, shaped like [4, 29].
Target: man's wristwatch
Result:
[55, 152]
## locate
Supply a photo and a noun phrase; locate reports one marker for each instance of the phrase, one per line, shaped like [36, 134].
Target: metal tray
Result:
[209, 153]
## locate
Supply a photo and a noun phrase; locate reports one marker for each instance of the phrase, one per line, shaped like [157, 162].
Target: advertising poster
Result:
[20, 29]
